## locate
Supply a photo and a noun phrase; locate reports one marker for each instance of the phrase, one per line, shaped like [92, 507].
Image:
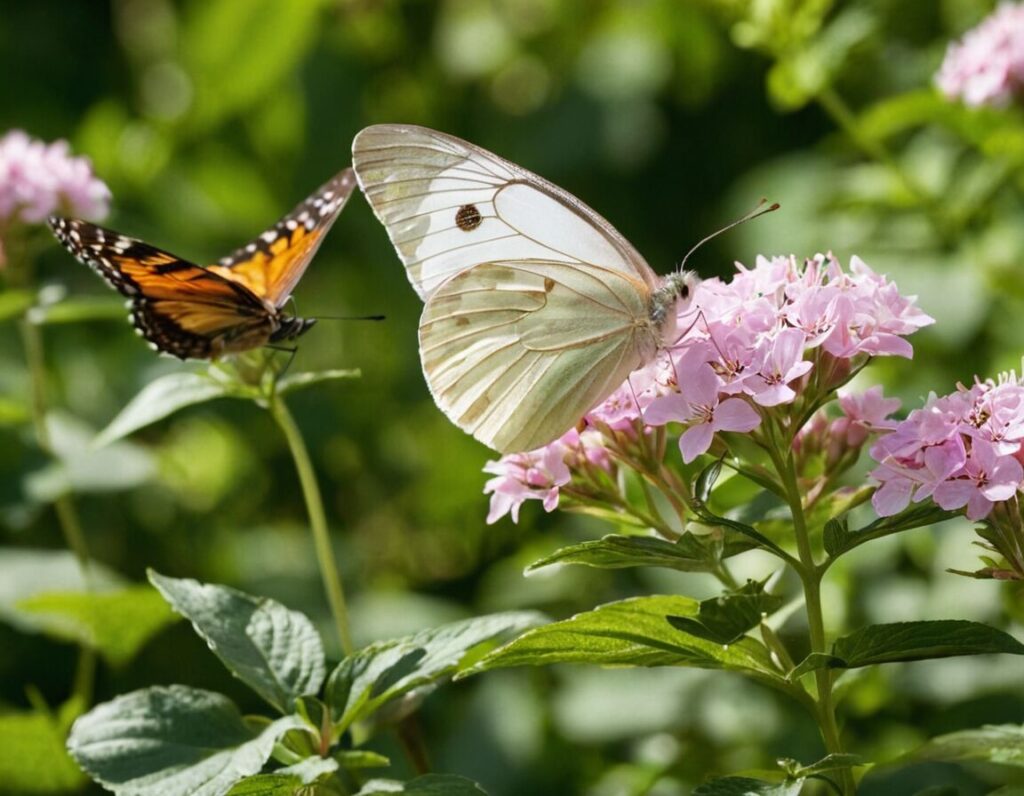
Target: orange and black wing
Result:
[272, 264]
[182, 309]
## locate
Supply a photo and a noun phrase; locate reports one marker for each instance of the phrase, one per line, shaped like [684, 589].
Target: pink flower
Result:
[986, 67]
[535, 475]
[781, 362]
[697, 403]
[39, 179]
[865, 413]
[987, 479]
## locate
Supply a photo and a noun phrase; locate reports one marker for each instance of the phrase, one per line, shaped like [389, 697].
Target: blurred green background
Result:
[209, 119]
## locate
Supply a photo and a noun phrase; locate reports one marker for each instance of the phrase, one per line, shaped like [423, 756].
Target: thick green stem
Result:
[317, 521]
[810, 576]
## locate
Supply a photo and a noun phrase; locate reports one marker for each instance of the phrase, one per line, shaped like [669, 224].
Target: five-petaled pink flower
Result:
[697, 404]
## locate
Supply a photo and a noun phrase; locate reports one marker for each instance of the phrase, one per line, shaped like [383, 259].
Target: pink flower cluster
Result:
[986, 67]
[748, 345]
[840, 437]
[39, 179]
[960, 450]
[750, 342]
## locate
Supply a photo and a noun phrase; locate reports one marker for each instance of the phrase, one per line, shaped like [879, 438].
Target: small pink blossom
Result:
[697, 404]
[866, 412]
[986, 67]
[781, 362]
[39, 179]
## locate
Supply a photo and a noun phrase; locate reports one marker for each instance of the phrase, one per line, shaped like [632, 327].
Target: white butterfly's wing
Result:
[515, 353]
[449, 205]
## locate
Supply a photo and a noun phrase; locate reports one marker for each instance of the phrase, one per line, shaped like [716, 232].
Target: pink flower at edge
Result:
[986, 67]
[988, 479]
[697, 403]
[782, 362]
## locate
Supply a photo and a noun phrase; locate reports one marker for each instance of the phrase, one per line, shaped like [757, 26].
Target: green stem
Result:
[810, 576]
[317, 521]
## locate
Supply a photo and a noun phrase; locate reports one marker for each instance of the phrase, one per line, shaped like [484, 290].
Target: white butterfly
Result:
[536, 308]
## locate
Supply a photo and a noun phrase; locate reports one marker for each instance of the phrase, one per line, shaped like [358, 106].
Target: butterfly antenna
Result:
[759, 210]
[348, 317]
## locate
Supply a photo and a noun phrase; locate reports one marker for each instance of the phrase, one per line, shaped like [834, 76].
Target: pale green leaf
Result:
[172, 741]
[286, 781]
[617, 551]
[298, 381]
[1002, 744]
[275, 651]
[32, 755]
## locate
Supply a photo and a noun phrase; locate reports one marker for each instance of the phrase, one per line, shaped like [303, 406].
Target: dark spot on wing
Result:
[468, 218]
[462, 320]
[549, 284]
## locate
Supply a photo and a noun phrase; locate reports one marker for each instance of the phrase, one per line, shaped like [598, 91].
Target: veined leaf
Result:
[285, 781]
[727, 618]
[1002, 744]
[427, 785]
[633, 632]
[618, 551]
[381, 672]
[171, 741]
[275, 651]
[744, 786]
[839, 539]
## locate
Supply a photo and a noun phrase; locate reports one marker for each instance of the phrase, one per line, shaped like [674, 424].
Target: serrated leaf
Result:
[727, 618]
[117, 624]
[839, 539]
[285, 781]
[744, 786]
[427, 785]
[161, 398]
[633, 632]
[912, 641]
[1002, 744]
[33, 758]
[171, 741]
[298, 381]
[275, 651]
[381, 672]
[617, 551]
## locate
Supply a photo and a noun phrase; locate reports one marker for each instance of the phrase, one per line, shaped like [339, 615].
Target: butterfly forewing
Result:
[449, 205]
[273, 263]
[517, 352]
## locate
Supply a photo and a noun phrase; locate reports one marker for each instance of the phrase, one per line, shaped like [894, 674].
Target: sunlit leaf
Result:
[275, 651]
[286, 781]
[78, 309]
[427, 785]
[32, 754]
[381, 672]
[298, 381]
[617, 551]
[115, 623]
[1002, 744]
[163, 397]
[13, 303]
[727, 618]
[633, 632]
[839, 539]
[171, 741]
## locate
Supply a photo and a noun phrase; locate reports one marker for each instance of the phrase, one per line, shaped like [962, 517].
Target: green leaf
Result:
[381, 672]
[633, 632]
[912, 641]
[78, 309]
[351, 759]
[727, 618]
[163, 397]
[275, 651]
[839, 539]
[82, 468]
[172, 740]
[115, 623]
[13, 303]
[705, 481]
[617, 551]
[1002, 744]
[298, 381]
[744, 786]
[832, 762]
[427, 785]
[32, 754]
[286, 781]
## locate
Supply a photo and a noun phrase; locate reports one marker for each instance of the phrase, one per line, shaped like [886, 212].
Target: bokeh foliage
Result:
[210, 118]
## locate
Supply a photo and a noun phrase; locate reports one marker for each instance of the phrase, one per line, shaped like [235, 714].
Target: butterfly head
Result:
[671, 298]
[290, 327]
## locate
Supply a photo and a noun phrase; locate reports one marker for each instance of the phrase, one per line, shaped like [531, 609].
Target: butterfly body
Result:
[205, 312]
[536, 308]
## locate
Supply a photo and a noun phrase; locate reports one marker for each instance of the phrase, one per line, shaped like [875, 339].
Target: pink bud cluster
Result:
[748, 345]
[39, 179]
[960, 450]
[839, 439]
[986, 67]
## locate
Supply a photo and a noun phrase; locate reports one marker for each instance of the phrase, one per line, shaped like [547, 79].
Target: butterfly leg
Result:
[292, 351]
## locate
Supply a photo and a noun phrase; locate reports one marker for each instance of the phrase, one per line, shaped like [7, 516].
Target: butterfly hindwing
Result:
[271, 265]
[448, 205]
[182, 309]
[515, 353]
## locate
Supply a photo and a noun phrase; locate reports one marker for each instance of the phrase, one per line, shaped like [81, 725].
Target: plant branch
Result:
[317, 521]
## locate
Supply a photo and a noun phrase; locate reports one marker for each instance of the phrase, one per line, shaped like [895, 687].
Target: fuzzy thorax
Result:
[669, 299]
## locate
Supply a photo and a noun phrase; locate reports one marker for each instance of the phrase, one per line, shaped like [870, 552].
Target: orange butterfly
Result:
[192, 311]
